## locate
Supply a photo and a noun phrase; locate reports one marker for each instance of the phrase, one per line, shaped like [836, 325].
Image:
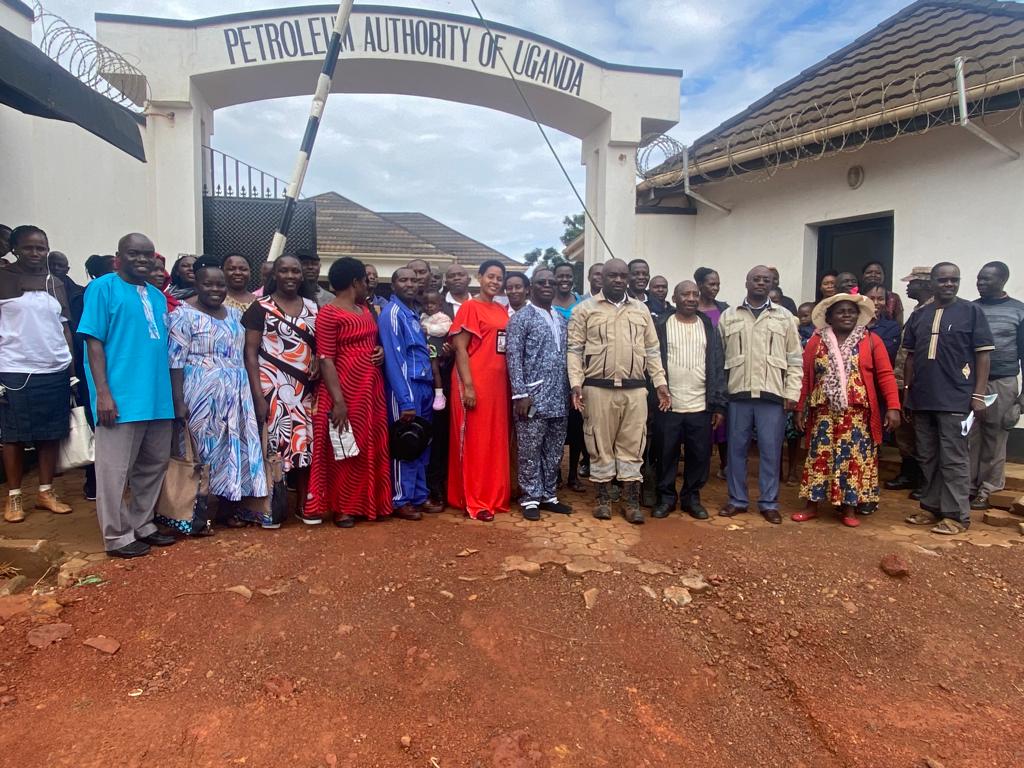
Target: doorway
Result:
[847, 247]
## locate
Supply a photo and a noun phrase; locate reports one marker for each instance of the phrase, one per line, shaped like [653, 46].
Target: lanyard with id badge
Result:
[500, 341]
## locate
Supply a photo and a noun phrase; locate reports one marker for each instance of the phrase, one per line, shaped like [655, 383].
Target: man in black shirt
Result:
[946, 377]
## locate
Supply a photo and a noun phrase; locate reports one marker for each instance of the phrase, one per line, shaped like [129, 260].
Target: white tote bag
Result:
[78, 448]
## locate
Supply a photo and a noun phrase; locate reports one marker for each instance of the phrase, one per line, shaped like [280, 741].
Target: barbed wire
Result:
[876, 114]
[102, 69]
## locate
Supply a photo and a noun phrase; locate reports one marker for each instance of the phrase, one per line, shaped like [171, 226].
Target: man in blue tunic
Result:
[410, 382]
[535, 355]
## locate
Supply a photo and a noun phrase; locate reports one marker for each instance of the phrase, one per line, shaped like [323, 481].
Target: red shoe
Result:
[803, 517]
[849, 521]
[485, 516]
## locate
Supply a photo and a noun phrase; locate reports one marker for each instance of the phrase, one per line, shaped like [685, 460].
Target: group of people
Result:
[456, 398]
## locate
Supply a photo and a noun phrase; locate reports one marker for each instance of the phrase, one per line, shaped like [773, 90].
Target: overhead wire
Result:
[543, 133]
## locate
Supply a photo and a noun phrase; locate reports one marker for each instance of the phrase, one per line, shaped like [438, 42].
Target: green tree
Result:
[549, 257]
[574, 226]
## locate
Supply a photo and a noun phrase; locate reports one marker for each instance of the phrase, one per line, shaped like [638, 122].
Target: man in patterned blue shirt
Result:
[535, 355]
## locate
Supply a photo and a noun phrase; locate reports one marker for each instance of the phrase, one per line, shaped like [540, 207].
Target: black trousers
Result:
[577, 446]
[692, 432]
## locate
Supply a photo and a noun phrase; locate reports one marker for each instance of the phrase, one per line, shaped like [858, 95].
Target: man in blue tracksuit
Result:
[410, 382]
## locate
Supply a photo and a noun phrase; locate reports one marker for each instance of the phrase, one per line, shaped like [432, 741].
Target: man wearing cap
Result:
[987, 440]
[948, 357]
[764, 368]
[410, 381]
[612, 346]
[919, 289]
[535, 355]
[311, 277]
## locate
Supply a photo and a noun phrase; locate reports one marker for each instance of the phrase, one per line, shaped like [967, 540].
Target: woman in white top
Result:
[35, 369]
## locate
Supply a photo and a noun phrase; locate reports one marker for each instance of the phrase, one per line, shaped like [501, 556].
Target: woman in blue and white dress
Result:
[211, 393]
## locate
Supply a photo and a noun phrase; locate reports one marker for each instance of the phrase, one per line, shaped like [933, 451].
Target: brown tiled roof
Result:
[906, 59]
[345, 228]
[466, 250]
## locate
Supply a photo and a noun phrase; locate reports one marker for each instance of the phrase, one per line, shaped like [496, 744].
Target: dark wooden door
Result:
[848, 247]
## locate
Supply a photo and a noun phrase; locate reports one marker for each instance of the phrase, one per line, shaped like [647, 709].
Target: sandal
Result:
[920, 518]
[949, 527]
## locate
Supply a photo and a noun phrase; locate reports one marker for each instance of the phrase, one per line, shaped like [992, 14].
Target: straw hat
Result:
[865, 305]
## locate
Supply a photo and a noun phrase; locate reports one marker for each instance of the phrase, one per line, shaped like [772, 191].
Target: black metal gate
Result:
[241, 217]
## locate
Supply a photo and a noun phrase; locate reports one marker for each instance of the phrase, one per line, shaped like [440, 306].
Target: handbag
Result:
[78, 449]
[275, 505]
[183, 502]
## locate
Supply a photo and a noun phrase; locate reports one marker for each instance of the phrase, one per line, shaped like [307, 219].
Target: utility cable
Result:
[543, 133]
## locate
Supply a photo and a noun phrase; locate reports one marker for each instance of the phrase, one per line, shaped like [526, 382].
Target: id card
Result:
[501, 340]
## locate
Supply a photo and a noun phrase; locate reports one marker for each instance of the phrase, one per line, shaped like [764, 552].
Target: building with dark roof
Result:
[391, 240]
[903, 147]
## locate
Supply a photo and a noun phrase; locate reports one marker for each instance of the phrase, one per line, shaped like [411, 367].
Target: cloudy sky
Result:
[489, 174]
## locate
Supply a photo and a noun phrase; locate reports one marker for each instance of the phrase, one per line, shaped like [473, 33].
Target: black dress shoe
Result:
[345, 521]
[557, 507]
[772, 516]
[135, 549]
[584, 470]
[661, 511]
[158, 539]
[531, 513]
[730, 511]
[899, 483]
[697, 511]
[916, 494]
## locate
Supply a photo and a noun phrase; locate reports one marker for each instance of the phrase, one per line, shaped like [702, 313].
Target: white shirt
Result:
[32, 334]
[454, 302]
[686, 360]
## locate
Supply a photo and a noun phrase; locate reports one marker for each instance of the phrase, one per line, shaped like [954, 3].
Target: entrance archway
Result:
[197, 66]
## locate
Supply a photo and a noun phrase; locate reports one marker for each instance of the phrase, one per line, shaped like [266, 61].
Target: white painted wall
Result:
[953, 198]
[81, 190]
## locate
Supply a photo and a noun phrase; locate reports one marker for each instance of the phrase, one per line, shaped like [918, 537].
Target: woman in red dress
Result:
[478, 480]
[346, 343]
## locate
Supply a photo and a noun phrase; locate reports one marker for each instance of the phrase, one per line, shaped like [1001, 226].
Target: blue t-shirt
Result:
[131, 321]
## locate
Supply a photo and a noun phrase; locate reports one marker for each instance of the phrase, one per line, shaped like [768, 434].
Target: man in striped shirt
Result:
[691, 353]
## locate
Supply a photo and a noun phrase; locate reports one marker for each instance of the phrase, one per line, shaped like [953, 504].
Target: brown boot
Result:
[48, 500]
[407, 512]
[631, 509]
[13, 511]
[603, 510]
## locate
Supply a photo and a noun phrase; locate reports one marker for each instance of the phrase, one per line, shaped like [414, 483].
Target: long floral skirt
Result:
[842, 459]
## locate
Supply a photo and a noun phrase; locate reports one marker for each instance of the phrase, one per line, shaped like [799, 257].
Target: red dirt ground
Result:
[804, 654]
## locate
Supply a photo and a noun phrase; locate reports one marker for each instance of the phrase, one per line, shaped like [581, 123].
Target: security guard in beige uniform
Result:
[612, 345]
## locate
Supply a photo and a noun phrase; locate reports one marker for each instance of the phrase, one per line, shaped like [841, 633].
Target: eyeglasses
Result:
[544, 282]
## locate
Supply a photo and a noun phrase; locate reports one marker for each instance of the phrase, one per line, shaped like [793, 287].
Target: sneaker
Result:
[14, 512]
[48, 500]
[89, 492]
